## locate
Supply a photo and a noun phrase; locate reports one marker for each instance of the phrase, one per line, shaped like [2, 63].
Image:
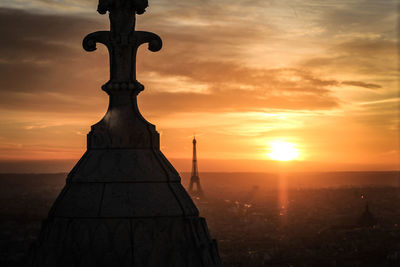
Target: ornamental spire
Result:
[122, 42]
[123, 203]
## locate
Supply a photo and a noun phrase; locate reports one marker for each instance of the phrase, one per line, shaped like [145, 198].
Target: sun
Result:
[282, 151]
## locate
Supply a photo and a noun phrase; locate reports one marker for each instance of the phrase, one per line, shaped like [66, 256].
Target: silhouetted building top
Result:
[367, 219]
[123, 203]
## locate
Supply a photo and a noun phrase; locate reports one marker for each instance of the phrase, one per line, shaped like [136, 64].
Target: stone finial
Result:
[139, 6]
[122, 42]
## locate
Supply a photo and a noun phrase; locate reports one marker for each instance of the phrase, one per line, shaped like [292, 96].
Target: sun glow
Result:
[282, 151]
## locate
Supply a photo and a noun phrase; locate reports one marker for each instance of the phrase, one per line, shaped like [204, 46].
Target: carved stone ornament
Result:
[123, 203]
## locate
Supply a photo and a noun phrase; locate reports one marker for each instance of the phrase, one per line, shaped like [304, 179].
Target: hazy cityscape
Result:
[258, 219]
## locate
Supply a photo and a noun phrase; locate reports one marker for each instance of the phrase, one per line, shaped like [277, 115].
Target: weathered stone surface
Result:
[123, 203]
[139, 200]
[79, 200]
[126, 242]
[123, 165]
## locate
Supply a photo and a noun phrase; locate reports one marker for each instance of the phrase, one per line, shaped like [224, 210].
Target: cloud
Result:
[373, 62]
[224, 68]
[362, 47]
[55, 69]
[43, 53]
[362, 84]
[232, 100]
[347, 19]
[51, 6]
[43, 67]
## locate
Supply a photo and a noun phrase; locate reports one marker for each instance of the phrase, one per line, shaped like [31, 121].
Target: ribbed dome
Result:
[123, 203]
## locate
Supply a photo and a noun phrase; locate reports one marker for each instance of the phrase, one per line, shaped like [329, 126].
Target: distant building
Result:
[194, 186]
[367, 219]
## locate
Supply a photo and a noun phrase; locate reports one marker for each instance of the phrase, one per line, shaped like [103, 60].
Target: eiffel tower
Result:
[194, 178]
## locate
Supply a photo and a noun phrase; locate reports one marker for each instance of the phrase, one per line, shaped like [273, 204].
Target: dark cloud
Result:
[363, 16]
[371, 48]
[43, 53]
[368, 57]
[50, 87]
[41, 60]
[362, 84]
[232, 101]
[362, 40]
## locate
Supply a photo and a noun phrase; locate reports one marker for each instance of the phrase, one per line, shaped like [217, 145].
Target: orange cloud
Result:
[239, 74]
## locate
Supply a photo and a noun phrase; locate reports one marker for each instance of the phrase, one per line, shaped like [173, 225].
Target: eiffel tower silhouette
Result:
[194, 186]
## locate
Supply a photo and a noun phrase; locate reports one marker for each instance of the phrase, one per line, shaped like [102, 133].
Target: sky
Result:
[320, 75]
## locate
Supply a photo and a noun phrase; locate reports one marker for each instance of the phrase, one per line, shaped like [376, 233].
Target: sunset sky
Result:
[321, 75]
